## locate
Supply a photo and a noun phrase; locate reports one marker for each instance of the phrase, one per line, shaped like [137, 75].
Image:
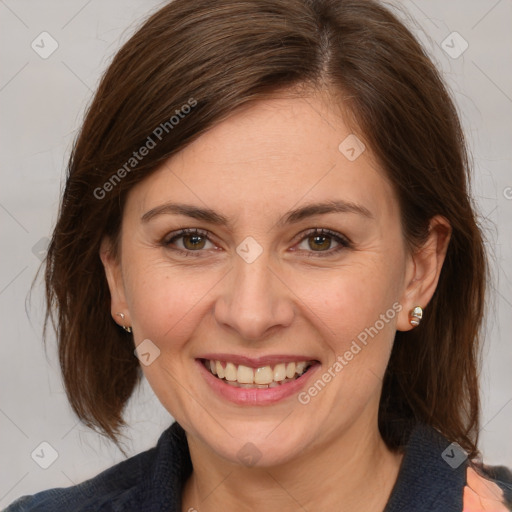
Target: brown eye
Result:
[319, 241]
[192, 240]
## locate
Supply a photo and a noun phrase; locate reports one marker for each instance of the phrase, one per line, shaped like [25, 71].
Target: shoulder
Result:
[487, 489]
[436, 476]
[119, 483]
[148, 481]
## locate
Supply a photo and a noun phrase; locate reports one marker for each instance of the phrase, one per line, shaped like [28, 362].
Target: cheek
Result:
[357, 309]
[352, 298]
[165, 302]
[168, 301]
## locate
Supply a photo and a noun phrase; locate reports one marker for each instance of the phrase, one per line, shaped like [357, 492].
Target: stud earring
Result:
[127, 329]
[415, 316]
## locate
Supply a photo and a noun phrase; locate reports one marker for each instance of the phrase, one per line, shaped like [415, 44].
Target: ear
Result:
[423, 270]
[112, 266]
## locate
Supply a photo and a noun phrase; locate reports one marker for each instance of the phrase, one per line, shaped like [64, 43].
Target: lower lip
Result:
[256, 396]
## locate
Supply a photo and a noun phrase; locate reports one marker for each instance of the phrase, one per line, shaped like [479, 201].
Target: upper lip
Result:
[258, 362]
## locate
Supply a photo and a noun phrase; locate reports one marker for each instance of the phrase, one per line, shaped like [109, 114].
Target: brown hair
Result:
[218, 55]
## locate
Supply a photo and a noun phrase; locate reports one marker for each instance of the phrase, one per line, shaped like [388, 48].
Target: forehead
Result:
[271, 156]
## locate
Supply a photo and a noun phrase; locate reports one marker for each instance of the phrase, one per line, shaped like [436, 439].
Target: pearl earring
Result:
[126, 328]
[415, 316]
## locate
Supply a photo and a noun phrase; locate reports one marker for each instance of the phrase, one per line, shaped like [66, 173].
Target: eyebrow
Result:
[292, 217]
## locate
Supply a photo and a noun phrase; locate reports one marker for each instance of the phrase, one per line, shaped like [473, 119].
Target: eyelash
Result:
[342, 240]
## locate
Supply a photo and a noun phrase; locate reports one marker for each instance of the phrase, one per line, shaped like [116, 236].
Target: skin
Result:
[264, 160]
[481, 495]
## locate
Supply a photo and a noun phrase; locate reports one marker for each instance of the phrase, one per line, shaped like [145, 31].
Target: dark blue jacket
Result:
[431, 479]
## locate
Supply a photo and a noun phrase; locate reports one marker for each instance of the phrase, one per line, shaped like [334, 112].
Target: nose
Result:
[255, 299]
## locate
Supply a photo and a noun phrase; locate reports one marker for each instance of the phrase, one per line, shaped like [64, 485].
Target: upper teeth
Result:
[263, 375]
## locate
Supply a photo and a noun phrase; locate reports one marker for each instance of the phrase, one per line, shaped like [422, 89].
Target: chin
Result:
[255, 447]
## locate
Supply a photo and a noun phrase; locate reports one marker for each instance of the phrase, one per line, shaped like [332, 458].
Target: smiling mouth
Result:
[257, 378]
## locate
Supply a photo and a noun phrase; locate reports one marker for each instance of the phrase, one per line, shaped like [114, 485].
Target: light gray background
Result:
[42, 103]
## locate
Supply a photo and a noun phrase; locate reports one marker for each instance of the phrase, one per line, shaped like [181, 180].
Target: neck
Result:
[351, 472]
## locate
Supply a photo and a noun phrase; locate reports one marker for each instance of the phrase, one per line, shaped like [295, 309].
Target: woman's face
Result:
[254, 288]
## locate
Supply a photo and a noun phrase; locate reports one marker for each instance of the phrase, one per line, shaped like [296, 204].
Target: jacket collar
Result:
[432, 475]
[431, 478]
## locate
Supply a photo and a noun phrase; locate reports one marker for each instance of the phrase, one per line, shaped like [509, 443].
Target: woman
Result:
[269, 201]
